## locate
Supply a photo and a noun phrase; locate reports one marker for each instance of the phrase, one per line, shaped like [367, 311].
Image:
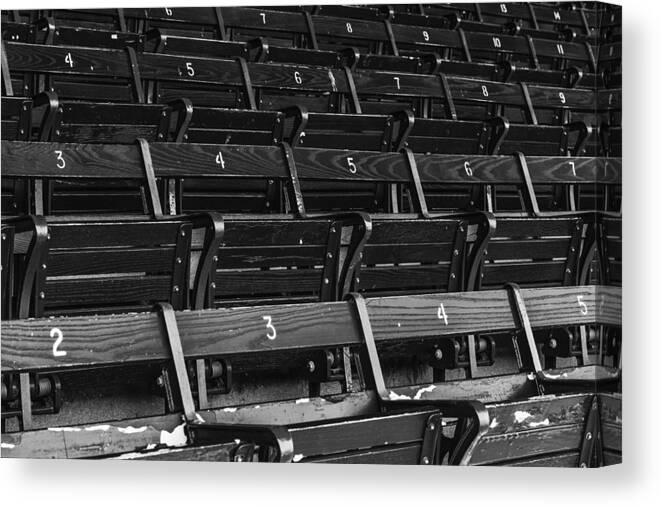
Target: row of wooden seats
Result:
[425, 49]
[560, 120]
[422, 250]
[461, 422]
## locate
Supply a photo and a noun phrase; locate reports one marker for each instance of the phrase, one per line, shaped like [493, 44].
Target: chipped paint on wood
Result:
[174, 438]
[394, 396]
[420, 392]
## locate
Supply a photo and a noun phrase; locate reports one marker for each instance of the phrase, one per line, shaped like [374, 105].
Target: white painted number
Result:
[61, 164]
[297, 77]
[220, 160]
[562, 97]
[556, 15]
[53, 333]
[68, 59]
[263, 15]
[468, 168]
[582, 305]
[397, 81]
[503, 8]
[573, 167]
[496, 42]
[485, 92]
[352, 166]
[441, 314]
[560, 48]
[189, 69]
[168, 11]
[269, 325]
[349, 29]
[425, 35]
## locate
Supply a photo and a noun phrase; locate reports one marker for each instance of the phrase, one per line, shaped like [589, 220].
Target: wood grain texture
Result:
[113, 339]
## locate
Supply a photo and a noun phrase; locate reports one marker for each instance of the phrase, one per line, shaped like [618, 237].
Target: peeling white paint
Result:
[150, 447]
[256, 406]
[521, 415]
[64, 429]
[533, 424]
[175, 438]
[394, 396]
[618, 419]
[531, 376]
[5, 445]
[229, 409]
[297, 458]
[561, 375]
[130, 429]
[100, 427]
[302, 400]
[494, 423]
[420, 392]
[134, 455]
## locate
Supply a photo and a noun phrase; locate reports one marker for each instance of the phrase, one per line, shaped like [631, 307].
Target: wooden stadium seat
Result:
[405, 423]
[78, 73]
[519, 104]
[84, 267]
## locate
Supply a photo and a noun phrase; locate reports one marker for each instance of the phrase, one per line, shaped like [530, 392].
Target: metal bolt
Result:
[159, 381]
[48, 236]
[57, 132]
[432, 426]
[332, 230]
[164, 113]
[456, 252]
[588, 436]
[329, 255]
[22, 131]
[43, 266]
[213, 285]
[178, 259]
[42, 295]
[175, 288]
[553, 343]
[425, 460]
[160, 136]
[326, 281]
[583, 465]
[568, 271]
[183, 233]
[357, 280]
[215, 258]
[573, 249]
[461, 229]
[239, 459]
[4, 236]
[311, 366]
[452, 275]
[438, 354]
[91, 67]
